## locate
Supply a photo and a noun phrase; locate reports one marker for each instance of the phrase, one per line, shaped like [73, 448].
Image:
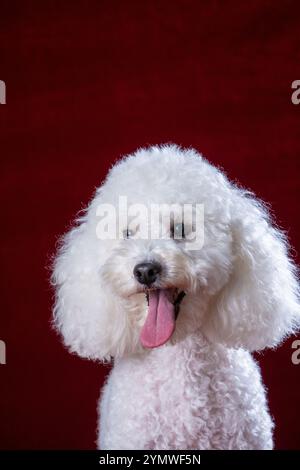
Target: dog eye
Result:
[178, 231]
[127, 233]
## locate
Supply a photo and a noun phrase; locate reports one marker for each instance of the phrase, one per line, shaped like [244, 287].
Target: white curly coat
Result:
[202, 389]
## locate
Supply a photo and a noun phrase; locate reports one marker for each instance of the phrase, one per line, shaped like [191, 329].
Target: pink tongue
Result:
[160, 322]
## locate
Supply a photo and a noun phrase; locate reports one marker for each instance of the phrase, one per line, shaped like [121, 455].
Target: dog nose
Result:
[146, 273]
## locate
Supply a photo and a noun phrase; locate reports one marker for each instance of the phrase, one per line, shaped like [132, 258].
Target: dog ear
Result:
[84, 312]
[259, 306]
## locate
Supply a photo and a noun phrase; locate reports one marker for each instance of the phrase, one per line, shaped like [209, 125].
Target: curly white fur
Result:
[201, 390]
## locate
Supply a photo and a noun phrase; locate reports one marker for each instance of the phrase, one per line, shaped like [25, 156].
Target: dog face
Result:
[197, 253]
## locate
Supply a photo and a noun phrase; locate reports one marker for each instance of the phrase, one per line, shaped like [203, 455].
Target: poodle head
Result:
[168, 247]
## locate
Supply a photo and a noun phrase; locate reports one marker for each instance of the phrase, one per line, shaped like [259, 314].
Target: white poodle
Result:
[178, 316]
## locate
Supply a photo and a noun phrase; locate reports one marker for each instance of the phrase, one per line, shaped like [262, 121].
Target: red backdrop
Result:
[87, 82]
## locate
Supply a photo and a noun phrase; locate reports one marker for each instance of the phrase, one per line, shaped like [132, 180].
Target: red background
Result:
[88, 81]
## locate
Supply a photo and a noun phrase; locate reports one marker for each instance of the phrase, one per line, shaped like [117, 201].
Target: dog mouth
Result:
[163, 310]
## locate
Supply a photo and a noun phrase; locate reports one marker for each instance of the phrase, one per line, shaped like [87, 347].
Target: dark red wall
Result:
[87, 82]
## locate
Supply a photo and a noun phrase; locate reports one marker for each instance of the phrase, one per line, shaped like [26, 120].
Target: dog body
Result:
[192, 395]
[178, 302]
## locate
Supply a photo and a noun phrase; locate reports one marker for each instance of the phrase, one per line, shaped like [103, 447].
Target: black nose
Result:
[146, 273]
